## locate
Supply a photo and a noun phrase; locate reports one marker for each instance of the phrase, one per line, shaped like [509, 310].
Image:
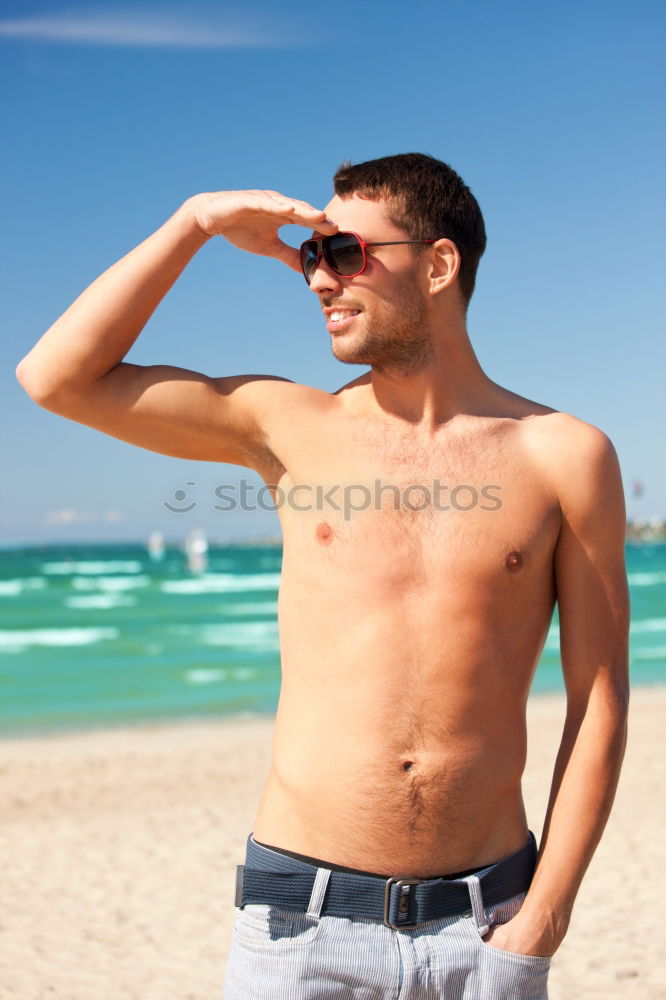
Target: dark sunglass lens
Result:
[309, 259]
[345, 254]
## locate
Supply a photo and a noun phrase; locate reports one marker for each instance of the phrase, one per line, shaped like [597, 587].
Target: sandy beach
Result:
[118, 852]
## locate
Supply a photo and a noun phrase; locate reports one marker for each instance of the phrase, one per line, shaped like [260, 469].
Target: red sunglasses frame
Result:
[321, 240]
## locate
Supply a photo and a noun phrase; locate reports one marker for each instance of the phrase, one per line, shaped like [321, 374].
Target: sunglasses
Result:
[343, 252]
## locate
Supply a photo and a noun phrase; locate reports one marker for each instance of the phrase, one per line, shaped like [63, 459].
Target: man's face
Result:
[380, 317]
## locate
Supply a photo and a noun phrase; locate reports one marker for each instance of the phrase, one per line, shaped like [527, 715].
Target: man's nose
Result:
[324, 278]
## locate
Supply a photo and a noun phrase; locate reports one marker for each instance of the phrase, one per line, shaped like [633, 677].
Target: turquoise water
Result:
[100, 635]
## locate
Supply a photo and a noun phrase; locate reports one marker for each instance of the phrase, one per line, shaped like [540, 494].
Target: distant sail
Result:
[196, 548]
[155, 546]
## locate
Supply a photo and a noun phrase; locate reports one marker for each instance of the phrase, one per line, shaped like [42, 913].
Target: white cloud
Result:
[113, 516]
[134, 27]
[70, 516]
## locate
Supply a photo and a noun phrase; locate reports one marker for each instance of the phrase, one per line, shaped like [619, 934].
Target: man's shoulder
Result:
[272, 390]
[577, 458]
[563, 436]
[553, 434]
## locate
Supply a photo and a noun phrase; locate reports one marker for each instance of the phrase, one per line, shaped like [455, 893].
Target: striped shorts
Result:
[278, 953]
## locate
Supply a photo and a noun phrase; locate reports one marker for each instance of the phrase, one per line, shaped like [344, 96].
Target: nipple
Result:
[513, 560]
[324, 533]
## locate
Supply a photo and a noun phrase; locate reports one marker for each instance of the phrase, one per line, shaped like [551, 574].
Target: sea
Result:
[105, 635]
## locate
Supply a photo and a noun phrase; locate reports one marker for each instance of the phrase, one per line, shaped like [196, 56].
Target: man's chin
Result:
[348, 355]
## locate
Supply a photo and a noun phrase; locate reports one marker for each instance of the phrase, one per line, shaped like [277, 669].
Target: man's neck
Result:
[453, 384]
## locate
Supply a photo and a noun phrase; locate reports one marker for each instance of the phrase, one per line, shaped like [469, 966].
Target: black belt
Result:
[399, 902]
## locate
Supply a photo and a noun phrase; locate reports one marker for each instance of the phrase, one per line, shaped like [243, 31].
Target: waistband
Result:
[280, 880]
[320, 863]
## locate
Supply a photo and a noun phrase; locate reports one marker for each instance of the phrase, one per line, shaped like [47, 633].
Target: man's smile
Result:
[339, 317]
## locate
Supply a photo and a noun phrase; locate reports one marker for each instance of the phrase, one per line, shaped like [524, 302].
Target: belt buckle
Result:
[387, 900]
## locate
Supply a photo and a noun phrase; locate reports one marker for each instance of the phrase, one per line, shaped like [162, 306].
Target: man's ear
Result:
[444, 265]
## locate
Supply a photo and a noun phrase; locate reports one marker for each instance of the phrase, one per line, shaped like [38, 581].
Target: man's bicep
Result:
[589, 566]
[177, 412]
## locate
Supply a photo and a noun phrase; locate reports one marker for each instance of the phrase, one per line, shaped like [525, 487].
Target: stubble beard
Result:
[397, 338]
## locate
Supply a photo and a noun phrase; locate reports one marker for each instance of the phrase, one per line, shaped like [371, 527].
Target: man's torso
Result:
[409, 636]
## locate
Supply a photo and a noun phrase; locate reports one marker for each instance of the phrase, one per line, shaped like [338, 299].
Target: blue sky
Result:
[113, 115]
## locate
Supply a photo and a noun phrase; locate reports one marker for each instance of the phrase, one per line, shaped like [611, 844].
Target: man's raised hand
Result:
[251, 219]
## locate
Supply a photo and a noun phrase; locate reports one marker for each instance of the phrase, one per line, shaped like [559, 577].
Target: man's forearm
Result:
[584, 783]
[99, 328]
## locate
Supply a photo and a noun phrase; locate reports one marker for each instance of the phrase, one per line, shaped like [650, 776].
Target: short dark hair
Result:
[428, 199]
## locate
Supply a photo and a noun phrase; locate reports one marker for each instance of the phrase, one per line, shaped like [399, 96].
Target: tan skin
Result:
[409, 637]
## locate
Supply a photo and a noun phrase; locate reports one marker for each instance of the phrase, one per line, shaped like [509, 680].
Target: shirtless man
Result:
[431, 519]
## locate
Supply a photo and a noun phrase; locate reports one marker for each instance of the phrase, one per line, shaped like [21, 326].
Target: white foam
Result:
[653, 653]
[646, 579]
[270, 562]
[111, 583]
[202, 676]
[243, 673]
[211, 583]
[18, 640]
[93, 568]
[245, 635]
[11, 588]
[649, 625]
[205, 676]
[100, 601]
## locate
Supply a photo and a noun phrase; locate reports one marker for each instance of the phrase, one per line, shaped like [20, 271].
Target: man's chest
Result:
[474, 504]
